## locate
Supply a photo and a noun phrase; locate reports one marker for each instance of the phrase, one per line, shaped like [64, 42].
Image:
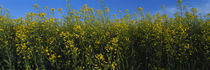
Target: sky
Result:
[18, 8]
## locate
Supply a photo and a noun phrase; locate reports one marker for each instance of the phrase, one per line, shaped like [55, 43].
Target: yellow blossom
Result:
[1, 29]
[60, 9]
[52, 9]
[36, 5]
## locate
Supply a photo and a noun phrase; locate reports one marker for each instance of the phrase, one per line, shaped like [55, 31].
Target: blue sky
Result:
[18, 8]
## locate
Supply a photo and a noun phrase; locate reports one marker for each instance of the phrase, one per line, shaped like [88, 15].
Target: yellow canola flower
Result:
[59, 56]
[77, 27]
[97, 42]
[46, 50]
[119, 11]
[48, 53]
[52, 9]
[99, 56]
[24, 57]
[36, 5]
[52, 19]
[53, 56]
[110, 48]
[57, 29]
[114, 40]
[187, 46]
[7, 9]
[113, 65]
[99, 12]
[46, 7]
[1, 29]
[140, 9]
[42, 15]
[60, 9]
[180, 1]
[107, 9]
[85, 5]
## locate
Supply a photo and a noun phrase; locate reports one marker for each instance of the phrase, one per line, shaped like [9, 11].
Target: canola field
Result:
[91, 39]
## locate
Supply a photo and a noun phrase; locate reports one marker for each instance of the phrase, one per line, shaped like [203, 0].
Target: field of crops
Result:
[95, 40]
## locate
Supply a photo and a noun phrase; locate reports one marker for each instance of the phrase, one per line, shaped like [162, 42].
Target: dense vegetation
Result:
[94, 40]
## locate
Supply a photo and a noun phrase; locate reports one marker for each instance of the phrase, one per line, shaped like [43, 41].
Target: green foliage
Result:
[90, 39]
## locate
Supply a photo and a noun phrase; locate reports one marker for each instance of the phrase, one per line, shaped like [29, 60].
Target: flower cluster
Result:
[91, 39]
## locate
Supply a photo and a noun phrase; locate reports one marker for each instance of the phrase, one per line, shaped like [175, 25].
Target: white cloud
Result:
[171, 10]
[203, 7]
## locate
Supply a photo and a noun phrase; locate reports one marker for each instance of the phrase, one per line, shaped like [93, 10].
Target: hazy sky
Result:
[18, 8]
